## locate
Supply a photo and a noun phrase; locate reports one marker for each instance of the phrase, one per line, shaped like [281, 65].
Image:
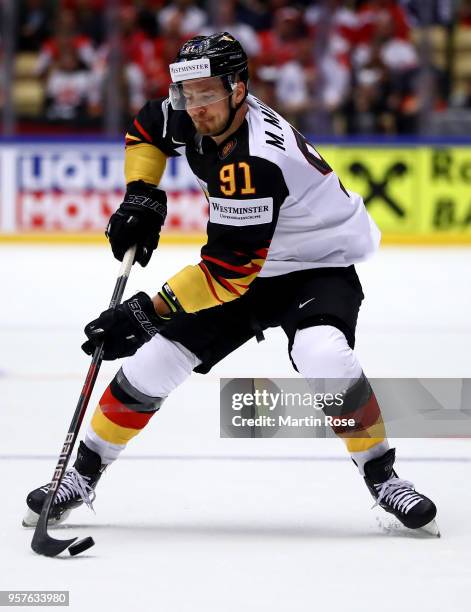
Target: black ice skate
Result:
[77, 487]
[398, 496]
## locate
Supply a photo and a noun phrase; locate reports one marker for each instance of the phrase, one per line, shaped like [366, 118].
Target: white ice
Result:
[186, 521]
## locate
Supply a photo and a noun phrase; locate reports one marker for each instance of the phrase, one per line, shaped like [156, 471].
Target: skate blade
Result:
[393, 527]
[30, 519]
[431, 529]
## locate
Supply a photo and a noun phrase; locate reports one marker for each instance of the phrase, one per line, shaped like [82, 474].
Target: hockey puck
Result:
[81, 545]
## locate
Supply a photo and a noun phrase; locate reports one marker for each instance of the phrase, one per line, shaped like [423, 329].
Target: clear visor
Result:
[194, 93]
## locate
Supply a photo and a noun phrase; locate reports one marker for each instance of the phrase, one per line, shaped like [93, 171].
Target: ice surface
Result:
[188, 521]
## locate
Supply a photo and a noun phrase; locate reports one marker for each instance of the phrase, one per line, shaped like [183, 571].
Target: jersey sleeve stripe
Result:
[246, 269]
[262, 253]
[130, 139]
[142, 131]
[228, 285]
[210, 282]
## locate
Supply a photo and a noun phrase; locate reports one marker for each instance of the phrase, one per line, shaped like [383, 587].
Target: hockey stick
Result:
[42, 543]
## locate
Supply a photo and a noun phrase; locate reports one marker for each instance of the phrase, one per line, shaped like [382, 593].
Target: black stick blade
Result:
[43, 544]
[49, 547]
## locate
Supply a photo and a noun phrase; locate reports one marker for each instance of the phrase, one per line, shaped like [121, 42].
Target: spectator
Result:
[192, 17]
[135, 51]
[422, 92]
[342, 22]
[334, 28]
[146, 16]
[256, 14]
[295, 85]
[311, 93]
[464, 13]
[69, 90]
[385, 73]
[462, 97]
[398, 54]
[263, 85]
[365, 64]
[436, 12]
[96, 5]
[66, 32]
[166, 47]
[33, 28]
[224, 20]
[90, 19]
[280, 44]
[373, 11]
[134, 44]
[2, 74]
[370, 107]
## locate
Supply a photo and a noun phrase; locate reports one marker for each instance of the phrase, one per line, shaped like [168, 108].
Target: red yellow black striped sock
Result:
[360, 406]
[121, 414]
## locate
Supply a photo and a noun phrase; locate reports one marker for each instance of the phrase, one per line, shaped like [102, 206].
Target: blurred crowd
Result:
[330, 66]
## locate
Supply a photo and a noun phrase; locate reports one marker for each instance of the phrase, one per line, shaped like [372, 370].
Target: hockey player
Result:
[283, 237]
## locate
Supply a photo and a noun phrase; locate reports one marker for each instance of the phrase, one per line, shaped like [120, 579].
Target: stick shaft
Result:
[97, 358]
[87, 389]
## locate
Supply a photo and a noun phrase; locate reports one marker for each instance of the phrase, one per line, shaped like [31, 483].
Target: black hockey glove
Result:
[125, 328]
[138, 220]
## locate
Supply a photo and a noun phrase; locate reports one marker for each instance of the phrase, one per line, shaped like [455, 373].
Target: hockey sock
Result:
[365, 439]
[323, 356]
[121, 414]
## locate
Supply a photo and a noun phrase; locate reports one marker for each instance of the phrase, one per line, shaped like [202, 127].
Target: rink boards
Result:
[67, 190]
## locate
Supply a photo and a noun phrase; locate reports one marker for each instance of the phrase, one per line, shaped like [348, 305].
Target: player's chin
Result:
[206, 128]
[203, 132]
[203, 129]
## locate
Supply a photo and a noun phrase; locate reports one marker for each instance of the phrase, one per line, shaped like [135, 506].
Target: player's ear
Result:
[239, 93]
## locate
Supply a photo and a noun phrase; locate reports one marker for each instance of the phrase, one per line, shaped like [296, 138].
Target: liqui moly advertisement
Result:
[74, 187]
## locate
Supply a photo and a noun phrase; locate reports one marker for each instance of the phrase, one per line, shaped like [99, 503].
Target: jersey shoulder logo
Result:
[228, 148]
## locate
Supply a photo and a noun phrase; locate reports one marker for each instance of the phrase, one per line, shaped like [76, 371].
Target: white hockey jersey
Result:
[320, 223]
[275, 205]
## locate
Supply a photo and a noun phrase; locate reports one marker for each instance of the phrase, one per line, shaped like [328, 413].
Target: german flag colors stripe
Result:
[361, 406]
[120, 414]
[116, 422]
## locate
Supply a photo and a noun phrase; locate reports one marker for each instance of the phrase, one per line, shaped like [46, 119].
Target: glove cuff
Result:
[140, 195]
[142, 313]
[170, 299]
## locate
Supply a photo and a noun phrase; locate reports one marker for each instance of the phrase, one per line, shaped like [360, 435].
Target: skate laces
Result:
[74, 484]
[398, 493]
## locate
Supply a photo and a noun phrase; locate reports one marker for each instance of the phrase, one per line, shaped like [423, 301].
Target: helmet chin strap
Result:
[232, 114]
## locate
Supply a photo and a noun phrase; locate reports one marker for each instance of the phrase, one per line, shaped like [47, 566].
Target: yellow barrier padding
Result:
[416, 195]
[61, 238]
[181, 239]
